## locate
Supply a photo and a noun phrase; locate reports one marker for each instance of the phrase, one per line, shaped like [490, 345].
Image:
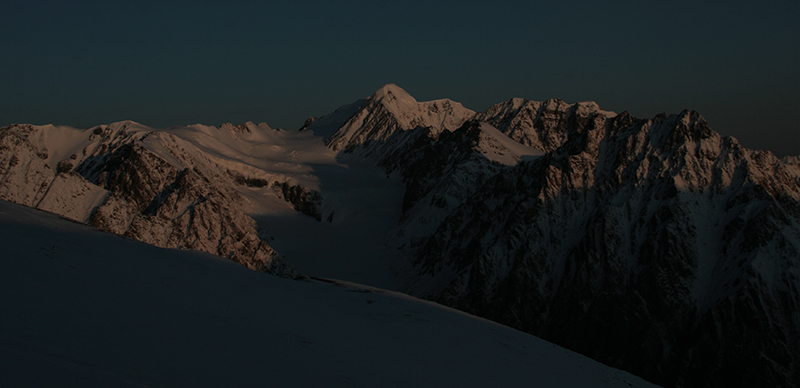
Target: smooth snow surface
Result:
[361, 207]
[505, 150]
[91, 309]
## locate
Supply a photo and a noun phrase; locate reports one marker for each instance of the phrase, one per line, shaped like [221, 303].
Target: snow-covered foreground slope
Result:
[87, 308]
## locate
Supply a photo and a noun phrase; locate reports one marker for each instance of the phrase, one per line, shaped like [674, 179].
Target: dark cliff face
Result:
[541, 125]
[428, 160]
[654, 246]
[304, 200]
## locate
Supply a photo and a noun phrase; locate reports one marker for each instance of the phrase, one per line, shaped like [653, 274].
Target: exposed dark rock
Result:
[307, 123]
[304, 200]
[615, 245]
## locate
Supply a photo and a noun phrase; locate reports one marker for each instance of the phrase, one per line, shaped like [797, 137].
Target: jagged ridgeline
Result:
[652, 245]
[143, 183]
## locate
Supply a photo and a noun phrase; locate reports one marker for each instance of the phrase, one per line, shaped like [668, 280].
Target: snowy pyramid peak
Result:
[394, 95]
[390, 109]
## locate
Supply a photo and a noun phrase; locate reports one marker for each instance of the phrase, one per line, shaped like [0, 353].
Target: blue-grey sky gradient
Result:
[166, 63]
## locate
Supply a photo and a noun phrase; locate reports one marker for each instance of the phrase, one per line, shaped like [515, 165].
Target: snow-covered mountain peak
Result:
[392, 109]
[413, 113]
[127, 126]
[393, 95]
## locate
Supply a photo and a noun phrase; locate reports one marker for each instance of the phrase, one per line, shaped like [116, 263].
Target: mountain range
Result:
[655, 246]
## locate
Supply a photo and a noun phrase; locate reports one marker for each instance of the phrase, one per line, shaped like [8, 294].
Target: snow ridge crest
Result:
[391, 109]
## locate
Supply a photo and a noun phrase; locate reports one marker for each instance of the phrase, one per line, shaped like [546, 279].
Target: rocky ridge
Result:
[392, 109]
[657, 232]
[147, 185]
[625, 232]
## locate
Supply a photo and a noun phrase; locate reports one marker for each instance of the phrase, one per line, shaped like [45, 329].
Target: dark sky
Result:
[166, 63]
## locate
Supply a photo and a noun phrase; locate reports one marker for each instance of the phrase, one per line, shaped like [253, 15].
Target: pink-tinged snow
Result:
[502, 149]
[262, 147]
[91, 309]
[442, 113]
[390, 109]
[73, 197]
[259, 152]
